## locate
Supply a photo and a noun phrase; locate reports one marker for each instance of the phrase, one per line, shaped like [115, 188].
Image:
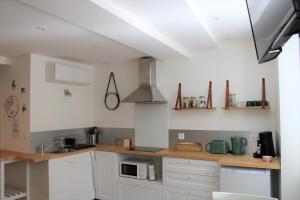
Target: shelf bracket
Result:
[209, 96]
[178, 105]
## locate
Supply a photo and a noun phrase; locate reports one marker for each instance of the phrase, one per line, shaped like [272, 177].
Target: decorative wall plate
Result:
[11, 106]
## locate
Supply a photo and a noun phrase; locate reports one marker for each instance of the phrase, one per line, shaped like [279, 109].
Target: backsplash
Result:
[205, 137]
[47, 137]
[108, 136]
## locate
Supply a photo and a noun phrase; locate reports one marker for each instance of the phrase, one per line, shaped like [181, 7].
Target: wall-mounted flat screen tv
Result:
[273, 22]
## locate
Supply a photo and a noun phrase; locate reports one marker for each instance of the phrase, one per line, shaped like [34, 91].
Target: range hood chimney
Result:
[147, 91]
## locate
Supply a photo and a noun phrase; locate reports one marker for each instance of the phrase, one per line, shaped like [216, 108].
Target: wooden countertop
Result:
[246, 160]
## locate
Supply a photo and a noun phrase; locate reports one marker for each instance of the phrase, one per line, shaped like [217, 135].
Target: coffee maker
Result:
[265, 146]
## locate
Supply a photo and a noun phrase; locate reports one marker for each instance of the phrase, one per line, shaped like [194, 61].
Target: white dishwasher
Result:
[245, 181]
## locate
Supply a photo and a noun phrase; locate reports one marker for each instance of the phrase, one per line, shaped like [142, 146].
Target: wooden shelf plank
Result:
[204, 108]
[247, 108]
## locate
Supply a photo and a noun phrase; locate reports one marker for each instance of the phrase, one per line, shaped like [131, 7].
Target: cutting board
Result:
[188, 146]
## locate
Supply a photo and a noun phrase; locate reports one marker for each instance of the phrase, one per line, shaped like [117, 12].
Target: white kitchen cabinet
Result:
[186, 179]
[131, 189]
[106, 174]
[175, 193]
[71, 178]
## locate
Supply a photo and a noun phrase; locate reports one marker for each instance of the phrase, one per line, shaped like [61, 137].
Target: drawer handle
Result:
[189, 178]
[189, 162]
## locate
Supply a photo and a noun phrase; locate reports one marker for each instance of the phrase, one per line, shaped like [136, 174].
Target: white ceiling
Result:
[97, 31]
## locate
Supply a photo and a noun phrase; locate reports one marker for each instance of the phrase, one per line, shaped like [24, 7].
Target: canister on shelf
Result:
[185, 102]
[127, 143]
[201, 101]
[232, 100]
[193, 102]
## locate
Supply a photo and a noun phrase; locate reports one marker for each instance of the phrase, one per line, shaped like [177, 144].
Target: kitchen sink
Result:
[63, 150]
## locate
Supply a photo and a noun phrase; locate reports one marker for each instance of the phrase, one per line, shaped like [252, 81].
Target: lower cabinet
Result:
[186, 179]
[130, 189]
[71, 178]
[106, 174]
[174, 193]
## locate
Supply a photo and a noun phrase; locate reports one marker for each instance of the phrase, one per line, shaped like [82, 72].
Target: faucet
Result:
[58, 142]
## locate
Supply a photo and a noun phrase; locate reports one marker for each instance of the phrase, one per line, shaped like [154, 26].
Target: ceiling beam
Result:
[196, 10]
[107, 19]
[141, 25]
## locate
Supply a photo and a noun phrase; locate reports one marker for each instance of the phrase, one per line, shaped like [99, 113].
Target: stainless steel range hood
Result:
[147, 91]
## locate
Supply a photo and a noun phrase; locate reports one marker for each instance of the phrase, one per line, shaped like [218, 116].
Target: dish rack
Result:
[12, 194]
[14, 180]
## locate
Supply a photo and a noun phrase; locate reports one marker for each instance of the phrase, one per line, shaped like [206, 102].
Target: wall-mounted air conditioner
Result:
[62, 73]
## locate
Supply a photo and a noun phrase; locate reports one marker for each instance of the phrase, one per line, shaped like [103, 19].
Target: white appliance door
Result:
[245, 181]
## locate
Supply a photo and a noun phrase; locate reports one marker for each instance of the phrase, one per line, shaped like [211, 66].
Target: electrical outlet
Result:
[181, 136]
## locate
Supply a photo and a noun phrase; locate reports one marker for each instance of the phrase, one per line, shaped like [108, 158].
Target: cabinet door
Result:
[174, 193]
[106, 175]
[138, 190]
[70, 178]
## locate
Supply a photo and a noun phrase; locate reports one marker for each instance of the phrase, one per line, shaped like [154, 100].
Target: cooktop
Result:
[146, 149]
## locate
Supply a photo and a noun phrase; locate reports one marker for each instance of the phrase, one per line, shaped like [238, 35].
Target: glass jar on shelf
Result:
[232, 100]
[185, 102]
[201, 102]
[193, 102]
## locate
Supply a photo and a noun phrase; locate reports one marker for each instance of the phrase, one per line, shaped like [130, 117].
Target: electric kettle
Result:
[239, 145]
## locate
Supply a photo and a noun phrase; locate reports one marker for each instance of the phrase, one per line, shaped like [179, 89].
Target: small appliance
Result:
[266, 145]
[134, 168]
[217, 147]
[239, 145]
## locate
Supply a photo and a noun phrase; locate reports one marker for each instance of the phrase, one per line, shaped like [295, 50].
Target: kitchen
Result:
[39, 36]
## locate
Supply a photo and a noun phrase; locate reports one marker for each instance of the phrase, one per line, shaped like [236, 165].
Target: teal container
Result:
[217, 147]
[239, 145]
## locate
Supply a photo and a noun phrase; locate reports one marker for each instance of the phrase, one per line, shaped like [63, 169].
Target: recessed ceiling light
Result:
[41, 28]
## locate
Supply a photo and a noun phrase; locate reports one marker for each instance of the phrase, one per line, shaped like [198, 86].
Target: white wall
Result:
[289, 87]
[235, 62]
[50, 108]
[126, 75]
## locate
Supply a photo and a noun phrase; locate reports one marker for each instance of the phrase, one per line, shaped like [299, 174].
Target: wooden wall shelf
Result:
[247, 108]
[204, 108]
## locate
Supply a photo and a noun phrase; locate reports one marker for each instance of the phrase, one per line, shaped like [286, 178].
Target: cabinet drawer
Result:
[198, 182]
[129, 189]
[200, 167]
[175, 193]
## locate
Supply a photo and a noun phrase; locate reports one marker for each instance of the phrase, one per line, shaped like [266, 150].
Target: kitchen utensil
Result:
[93, 136]
[188, 146]
[239, 145]
[217, 147]
[267, 146]
[112, 99]
[267, 158]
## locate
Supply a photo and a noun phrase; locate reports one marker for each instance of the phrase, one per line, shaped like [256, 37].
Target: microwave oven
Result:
[134, 168]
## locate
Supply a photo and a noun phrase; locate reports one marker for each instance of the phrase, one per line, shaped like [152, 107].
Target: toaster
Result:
[217, 147]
